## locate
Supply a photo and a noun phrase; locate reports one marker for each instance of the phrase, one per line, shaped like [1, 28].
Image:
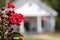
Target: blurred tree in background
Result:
[11, 0]
[55, 4]
[2, 3]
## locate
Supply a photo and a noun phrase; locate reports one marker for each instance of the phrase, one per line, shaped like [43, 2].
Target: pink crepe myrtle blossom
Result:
[20, 38]
[10, 17]
[10, 5]
[16, 18]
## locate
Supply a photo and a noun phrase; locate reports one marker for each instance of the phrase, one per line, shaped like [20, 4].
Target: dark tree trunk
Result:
[2, 30]
[2, 35]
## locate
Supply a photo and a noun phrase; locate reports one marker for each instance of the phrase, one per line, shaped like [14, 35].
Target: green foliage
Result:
[54, 4]
[57, 22]
[2, 3]
[15, 34]
[11, 0]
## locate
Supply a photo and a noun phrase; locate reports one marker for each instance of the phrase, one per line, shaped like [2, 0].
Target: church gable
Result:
[30, 6]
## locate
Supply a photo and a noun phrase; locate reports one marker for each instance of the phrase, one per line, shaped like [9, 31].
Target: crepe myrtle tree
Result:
[9, 17]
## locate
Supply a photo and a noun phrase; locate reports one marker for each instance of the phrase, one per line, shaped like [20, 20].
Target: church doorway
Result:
[26, 26]
[46, 23]
[30, 24]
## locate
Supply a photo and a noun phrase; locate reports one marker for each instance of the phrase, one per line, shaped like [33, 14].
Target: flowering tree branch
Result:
[9, 17]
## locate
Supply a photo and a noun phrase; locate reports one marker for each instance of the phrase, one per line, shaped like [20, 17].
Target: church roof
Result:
[19, 3]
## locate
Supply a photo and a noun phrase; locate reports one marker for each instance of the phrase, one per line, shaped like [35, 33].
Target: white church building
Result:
[39, 17]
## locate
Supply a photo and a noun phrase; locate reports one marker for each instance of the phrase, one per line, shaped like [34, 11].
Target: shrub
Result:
[57, 23]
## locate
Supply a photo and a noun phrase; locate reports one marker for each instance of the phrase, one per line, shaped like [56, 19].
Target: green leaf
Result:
[2, 3]
[15, 34]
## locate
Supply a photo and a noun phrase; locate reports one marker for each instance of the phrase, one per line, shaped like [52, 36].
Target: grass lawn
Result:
[30, 38]
[55, 35]
[27, 38]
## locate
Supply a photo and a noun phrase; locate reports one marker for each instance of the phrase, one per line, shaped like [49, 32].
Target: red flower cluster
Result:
[10, 5]
[16, 18]
[20, 38]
